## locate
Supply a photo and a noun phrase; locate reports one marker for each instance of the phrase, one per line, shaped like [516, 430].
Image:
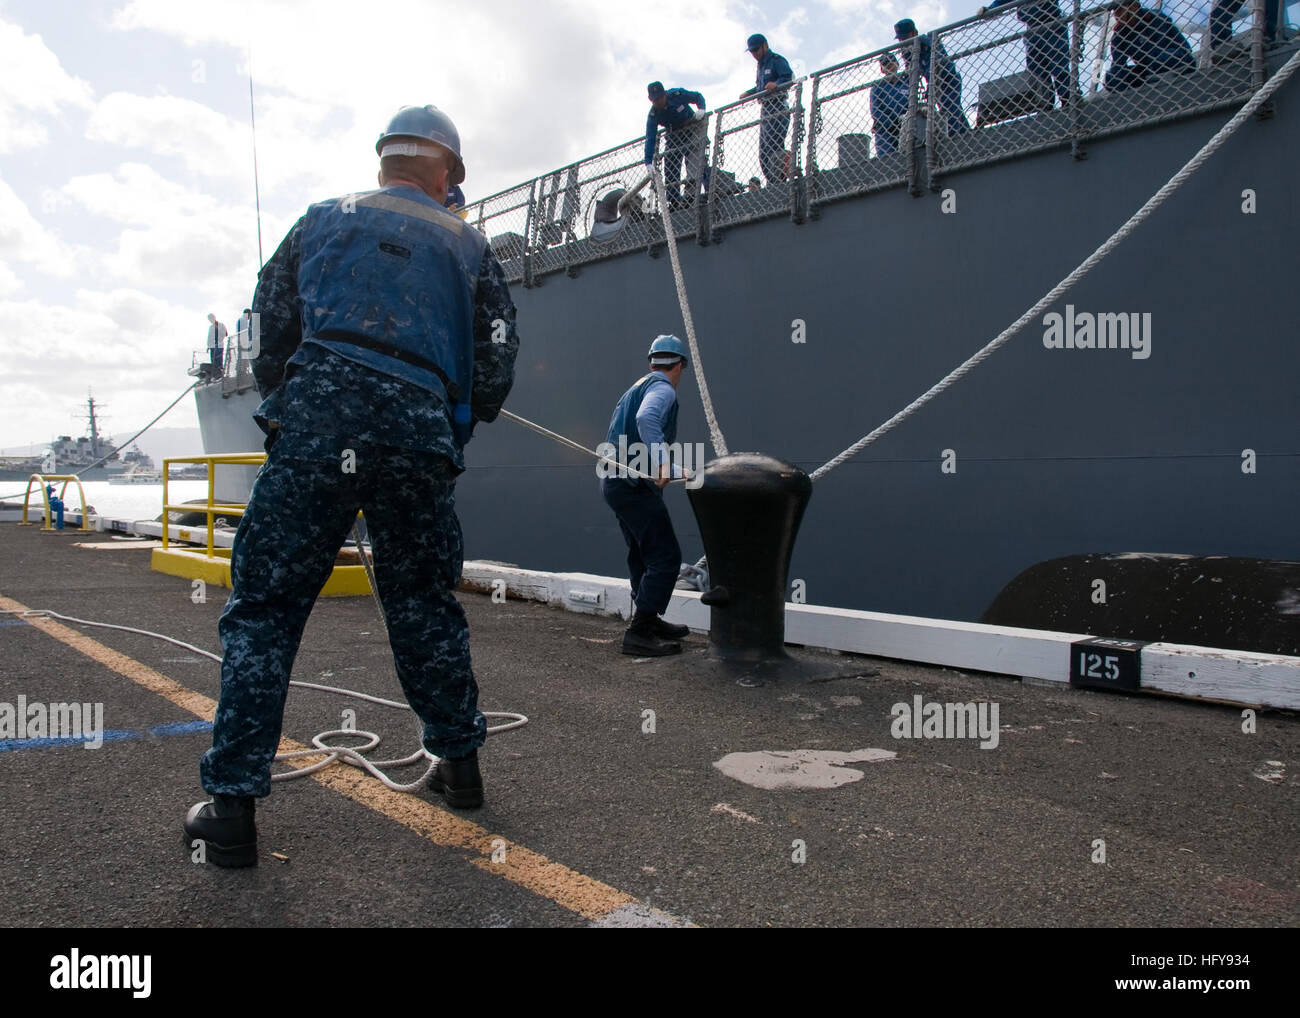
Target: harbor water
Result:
[120, 501]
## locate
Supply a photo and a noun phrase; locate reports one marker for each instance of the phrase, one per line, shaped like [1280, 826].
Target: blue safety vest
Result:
[388, 279]
[623, 421]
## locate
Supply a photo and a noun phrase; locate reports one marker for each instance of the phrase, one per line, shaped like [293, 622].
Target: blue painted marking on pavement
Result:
[14, 622]
[116, 735]
[181, 728]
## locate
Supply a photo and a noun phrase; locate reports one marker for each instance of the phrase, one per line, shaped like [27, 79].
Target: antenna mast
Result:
[252, 120]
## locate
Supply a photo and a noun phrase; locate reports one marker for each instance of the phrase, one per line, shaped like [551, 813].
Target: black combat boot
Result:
[459, 781]
[665, 630]
[641, 639]
[226, 828]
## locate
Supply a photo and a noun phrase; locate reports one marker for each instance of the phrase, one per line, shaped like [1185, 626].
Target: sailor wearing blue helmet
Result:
[379, 313]
[646, 419]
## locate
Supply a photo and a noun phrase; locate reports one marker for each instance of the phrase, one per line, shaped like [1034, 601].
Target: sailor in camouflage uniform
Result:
[386, 332]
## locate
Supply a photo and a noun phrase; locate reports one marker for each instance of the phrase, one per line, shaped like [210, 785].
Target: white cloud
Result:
[169, 125]
[107, 339]
[530, 86]
[24, 239]
[191, 252]
[125, 344]
[33, 88]
[868, 25]
[137, 194]
[175, 236]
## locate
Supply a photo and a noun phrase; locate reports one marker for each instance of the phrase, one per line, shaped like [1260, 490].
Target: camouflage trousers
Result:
[303, 505]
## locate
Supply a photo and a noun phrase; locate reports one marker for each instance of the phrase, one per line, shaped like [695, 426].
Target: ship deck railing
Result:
[236, 370]
[982, 77]
[212, 564]
[211, 509]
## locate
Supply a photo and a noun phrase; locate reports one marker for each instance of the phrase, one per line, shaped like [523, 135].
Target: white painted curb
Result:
[1230, 676]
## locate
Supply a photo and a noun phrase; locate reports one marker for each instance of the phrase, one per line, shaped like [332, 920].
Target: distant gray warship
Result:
[91, 457]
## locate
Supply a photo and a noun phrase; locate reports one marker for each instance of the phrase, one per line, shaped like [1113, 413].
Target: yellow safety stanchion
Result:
[41, 480]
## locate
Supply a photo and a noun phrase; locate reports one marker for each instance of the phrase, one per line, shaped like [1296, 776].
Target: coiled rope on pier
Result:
[348, 754]
[1091, 262]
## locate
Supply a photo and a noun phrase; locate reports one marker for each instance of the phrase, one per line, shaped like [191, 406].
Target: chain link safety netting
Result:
[756, 161]
[859, 131]
[1019, 77]
[1039, 73]
[504, 219]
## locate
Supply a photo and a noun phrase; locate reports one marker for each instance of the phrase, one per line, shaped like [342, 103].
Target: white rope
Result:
[1136, 220]
[347, 754]
[622, 468]
[715, 432]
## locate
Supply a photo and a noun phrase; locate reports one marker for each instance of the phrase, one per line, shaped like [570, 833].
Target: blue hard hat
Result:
[904, 28]
[666, 350]
[756, 40]
[431, 124]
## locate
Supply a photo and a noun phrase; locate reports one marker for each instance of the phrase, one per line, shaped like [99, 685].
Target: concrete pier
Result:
[636, 795]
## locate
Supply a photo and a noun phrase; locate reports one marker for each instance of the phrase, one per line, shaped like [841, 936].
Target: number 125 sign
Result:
[1104, 663]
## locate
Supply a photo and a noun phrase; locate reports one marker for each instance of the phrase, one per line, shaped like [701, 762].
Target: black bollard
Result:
[749, 507]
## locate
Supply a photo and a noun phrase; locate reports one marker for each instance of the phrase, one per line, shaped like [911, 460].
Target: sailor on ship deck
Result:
[684, 138]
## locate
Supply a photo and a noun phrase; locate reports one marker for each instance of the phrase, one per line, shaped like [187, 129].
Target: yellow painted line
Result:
[581, 894]
[141, 675]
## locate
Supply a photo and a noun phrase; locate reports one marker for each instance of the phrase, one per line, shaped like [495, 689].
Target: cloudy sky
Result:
[126, 167]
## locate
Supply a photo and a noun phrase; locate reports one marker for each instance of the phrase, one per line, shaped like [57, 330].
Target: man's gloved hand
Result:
[700, 115]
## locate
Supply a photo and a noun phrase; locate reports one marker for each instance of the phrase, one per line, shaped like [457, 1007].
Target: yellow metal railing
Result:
[212, 564]
[212, 508]
[42, 480]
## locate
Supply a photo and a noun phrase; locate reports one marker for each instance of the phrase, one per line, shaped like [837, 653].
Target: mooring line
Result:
[622, 468]
[715, 432]
[1134, 221]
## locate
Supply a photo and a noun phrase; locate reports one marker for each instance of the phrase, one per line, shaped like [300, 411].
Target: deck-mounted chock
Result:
[616, 210]
[749, 508]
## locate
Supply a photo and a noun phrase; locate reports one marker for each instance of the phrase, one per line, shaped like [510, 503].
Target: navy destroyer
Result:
[91, 456]
[1148, 413]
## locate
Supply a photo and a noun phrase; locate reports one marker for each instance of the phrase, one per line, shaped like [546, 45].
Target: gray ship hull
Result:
[226, 426]
[1039, 454]
[1057, 451]
[98, 474]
